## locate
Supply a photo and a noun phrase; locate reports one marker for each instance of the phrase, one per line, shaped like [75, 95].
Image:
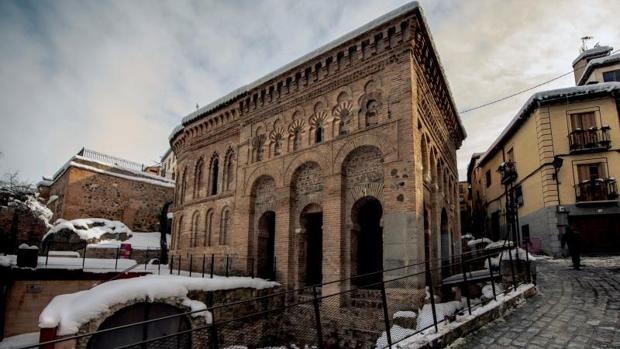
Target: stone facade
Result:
[340, 164]
[87, 187]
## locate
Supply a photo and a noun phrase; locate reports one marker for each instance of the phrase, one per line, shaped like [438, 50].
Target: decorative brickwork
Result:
[368, 126]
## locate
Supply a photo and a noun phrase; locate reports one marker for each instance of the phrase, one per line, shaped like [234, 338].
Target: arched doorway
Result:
[266, 245]
[367, 242]
[311, 245]
[139, 333]
[445, 245]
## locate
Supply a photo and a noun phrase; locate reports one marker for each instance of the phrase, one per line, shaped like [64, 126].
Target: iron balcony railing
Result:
[597, 189]
[592, 139]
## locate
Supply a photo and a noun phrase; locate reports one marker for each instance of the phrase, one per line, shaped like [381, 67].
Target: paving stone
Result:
[574, 309]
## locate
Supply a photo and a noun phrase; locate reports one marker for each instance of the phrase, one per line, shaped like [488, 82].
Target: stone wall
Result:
[27, 298]
[83, 193]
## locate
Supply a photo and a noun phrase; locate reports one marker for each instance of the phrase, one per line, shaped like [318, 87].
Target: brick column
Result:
[334, 253]
[283, 237]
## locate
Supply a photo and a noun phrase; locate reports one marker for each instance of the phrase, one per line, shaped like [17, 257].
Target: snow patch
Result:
[20, 341]
[89, 228]
[70, 311]
[475, 242]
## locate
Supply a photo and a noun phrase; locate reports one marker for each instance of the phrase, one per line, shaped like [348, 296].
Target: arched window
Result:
[194, 237]
[229, 170]
[224, 227]
[183, 186]
[372, 117]
[318, 136]
[213, 174]
[198, 173]
[178, 233]
[209, 228]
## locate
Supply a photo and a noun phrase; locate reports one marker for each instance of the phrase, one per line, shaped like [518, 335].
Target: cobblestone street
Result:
[574, 309]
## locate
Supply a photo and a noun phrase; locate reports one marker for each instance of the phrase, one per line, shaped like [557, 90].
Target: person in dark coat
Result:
[572, 238]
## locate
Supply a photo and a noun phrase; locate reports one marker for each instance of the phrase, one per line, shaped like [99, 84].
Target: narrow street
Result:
[574, 309]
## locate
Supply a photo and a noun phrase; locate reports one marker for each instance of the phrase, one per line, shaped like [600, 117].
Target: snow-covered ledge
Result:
[69, 312]
[468, 323]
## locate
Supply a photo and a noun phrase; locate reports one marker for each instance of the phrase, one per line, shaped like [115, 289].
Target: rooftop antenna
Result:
[584, 40]
[197, 106]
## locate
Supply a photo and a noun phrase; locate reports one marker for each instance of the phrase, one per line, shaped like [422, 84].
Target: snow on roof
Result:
[130, 170]
[89, 228]
[313, 54]
[70, 311]
[549, 96]
[597, 50]
[596, 63]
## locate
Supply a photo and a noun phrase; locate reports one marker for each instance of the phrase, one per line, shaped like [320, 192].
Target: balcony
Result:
[508, 172]
[590, 140]
[597, 189]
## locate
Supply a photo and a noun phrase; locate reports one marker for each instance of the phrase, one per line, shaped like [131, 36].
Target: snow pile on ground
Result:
[91, 229]
[397, 333]
[405, 314]
[487, 290]
[138, 241]
[422, 338]
[20, 341]
[425, 315]
[70, 311]
[475, 242]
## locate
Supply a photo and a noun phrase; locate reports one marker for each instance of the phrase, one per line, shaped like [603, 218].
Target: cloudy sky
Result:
[117, 76]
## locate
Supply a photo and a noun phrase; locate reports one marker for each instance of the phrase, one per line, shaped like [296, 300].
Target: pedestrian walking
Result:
[572, 238]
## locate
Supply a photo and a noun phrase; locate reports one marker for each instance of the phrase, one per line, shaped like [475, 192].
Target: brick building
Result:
[93, 184]
[340, 163]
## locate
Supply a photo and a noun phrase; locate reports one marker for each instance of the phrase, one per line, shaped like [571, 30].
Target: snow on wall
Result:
[70, 311]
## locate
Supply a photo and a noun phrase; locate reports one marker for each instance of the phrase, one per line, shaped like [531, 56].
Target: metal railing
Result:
[334, 314]
[596, 189]
[589, 140]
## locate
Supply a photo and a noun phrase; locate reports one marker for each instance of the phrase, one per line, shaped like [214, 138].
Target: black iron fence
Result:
[405, 301]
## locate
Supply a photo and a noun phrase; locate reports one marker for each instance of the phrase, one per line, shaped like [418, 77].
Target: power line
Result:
[522, 91]
[514, 94]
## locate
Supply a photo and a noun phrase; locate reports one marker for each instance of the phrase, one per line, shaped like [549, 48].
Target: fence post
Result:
[191, 264]
[84, 258]
[47, 255]
[212, 264]
[429, 280]
[179, 266]
[527, 262]
[386, 316]
[118, 252]
[252, 267]
[466, 283]
[226, 265]
[317, 317]
[171, 265]
[492, 279]
[158, 267]
[215, 342]
[204, 259]
[512, 270]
